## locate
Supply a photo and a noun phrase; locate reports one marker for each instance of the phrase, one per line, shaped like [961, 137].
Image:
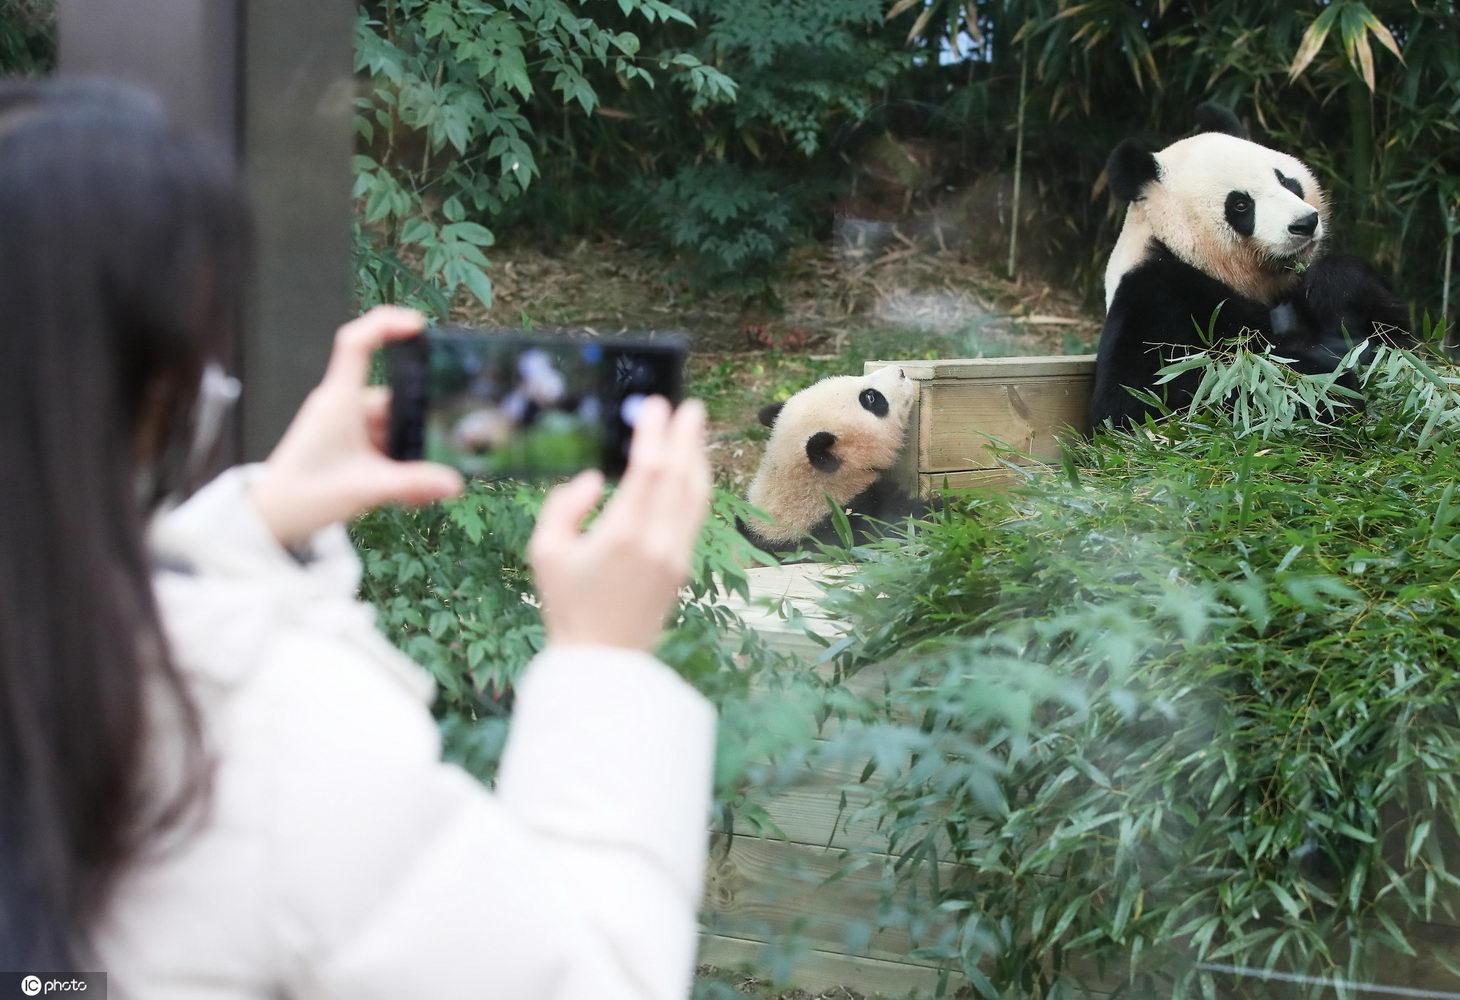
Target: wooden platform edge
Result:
[996, 369]
[817, 971]
[932, 484]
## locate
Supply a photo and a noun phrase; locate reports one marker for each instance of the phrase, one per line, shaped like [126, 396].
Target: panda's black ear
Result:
[768, 414]
[1212, 117]
[1132, 166]
[818, 451]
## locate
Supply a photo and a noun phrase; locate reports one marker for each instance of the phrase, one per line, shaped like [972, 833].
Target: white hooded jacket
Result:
[337, 857]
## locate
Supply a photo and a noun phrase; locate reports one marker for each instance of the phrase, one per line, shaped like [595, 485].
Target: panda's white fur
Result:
[791, 487]
[1185, 208]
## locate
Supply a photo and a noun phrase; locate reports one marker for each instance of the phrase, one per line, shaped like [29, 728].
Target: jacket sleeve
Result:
[579, 878]
[393, 875]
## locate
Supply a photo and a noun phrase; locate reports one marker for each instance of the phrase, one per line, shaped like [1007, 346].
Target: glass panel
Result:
[1161, 712]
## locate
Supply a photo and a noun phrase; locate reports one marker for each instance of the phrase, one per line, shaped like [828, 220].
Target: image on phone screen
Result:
[525, 406]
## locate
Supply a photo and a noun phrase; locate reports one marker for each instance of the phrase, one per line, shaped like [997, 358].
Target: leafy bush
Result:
[1193, 703]
[455, 594]
[447, 136]
[541, 114]
[807, 73]
[730, 226]
[806, 68]
[27, 37]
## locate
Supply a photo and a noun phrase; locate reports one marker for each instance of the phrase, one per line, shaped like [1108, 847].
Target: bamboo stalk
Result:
[1451, 345]
[1361, 154]
[1019, 156]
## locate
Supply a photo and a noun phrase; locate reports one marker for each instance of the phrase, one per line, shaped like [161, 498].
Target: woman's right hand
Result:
[615, 584]
[331, 463]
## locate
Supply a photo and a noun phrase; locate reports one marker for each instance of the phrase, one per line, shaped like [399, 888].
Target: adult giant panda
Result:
[1216, 220]
[837, 439]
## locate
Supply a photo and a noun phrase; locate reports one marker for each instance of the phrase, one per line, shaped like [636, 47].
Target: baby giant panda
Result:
[838, 439]
[1218, 220]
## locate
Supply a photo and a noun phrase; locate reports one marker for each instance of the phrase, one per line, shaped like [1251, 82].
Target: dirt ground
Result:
[834, 309]
[825, 295]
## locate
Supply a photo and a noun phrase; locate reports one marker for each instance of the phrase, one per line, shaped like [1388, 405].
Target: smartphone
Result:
[519, 405]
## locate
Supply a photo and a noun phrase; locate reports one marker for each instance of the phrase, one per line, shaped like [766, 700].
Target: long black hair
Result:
[123, 246]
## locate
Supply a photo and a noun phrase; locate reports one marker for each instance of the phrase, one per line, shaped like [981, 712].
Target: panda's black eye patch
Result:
[1291, 183]
[873, 402]
[1241, 214]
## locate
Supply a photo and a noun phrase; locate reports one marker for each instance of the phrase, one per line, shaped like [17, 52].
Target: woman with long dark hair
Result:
[216, 777]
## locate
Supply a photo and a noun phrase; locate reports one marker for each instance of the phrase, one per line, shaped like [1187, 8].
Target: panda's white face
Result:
[1243, 213]
[833, 439]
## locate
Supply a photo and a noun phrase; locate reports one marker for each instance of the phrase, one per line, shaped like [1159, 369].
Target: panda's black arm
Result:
[881, 508]
[1162, 309]
[1342, 300]
[764, 544]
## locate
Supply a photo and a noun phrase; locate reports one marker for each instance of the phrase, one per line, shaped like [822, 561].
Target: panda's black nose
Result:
[1306, 226]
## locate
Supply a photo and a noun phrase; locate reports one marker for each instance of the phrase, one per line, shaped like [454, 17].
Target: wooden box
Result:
[967, 409]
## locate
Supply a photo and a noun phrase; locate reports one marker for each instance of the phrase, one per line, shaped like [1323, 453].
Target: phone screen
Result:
[525, 406]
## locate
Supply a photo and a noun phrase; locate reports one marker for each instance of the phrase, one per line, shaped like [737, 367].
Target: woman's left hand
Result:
[331, 465]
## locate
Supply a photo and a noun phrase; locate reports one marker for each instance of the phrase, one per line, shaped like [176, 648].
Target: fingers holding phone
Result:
[616, 583]
[331, 463]
[483, 405]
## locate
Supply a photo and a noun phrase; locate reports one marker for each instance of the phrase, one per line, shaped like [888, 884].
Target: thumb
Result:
[414, 484]
[566, 508]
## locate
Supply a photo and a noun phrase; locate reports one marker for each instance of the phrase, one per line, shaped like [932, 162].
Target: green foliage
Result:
[453, 590]
[806, 67]
[732, 226]
[446, 130]
[736, 200]
[542, 114]
[1192, 701]
[454, 593]
[808, 74]
[27, 37]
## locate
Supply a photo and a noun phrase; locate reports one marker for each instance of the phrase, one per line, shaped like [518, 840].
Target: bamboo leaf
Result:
[1382, 33]
[1312, 41]
[902, 7]
[975, 30]
[1286, 900]
[1366, 61]
[921, 24]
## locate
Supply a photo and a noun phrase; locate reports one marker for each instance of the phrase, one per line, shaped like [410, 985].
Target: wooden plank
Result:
[809, 812]
[987, 480]
[817, 971]
[962, 419]
[762, 887]
[905, 471]
[799, 586]
[797, 582]
[996, 369]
